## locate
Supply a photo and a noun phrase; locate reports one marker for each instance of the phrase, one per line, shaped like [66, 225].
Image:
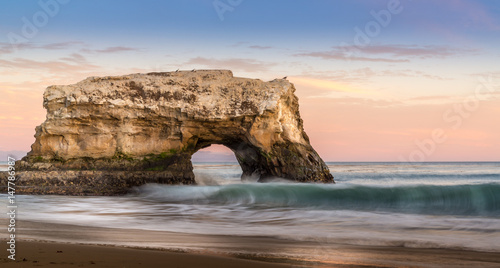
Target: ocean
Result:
[423, 205]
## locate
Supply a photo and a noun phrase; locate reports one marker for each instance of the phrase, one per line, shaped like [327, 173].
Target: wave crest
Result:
[477, 200]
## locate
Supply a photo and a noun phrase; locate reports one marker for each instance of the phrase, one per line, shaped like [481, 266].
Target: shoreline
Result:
[220, 250]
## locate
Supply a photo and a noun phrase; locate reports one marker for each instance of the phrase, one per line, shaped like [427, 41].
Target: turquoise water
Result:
[441, 205]
[474, 200]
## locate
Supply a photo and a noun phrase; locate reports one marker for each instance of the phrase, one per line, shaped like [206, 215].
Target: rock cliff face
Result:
[106, 134]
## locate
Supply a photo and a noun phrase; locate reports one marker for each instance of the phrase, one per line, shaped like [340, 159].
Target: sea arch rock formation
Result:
[106, 134]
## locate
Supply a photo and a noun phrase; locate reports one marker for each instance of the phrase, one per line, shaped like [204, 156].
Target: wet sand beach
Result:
[49, 254]
[47, 245]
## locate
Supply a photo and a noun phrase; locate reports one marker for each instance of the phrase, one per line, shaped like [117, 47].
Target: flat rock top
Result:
[204, 93]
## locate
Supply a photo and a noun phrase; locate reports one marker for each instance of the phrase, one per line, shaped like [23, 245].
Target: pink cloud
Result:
[115, 49]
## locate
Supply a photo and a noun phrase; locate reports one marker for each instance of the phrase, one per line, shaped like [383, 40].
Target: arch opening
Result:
[216, 164]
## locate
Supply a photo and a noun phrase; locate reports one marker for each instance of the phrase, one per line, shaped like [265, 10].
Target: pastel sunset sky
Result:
[380, 80]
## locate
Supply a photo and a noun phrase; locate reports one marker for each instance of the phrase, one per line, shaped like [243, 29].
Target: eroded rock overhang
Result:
[104, 135]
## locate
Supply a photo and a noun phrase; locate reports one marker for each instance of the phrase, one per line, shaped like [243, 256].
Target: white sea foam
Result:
[445, 205]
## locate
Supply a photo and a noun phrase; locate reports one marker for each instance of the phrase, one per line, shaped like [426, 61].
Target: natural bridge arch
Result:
[106, 132]
[249, 158]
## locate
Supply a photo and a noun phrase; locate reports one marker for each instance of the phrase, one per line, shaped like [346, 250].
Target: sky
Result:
[380, 80]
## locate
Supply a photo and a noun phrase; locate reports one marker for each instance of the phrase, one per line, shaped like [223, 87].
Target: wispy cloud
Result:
[248, 65]
[354, 75]
[414, 51]
[326, 84]
[387, 53]
[75, 58]
[493, 74]
[365, 74]
[248, 45]
[410, 73]
[429, 100]
[341, 55]
[61, 45]
[260, 47]
[7, 48]
[74, 62]
[110, 50]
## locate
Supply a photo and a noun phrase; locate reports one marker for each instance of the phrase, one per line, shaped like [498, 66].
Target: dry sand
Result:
[107, 247]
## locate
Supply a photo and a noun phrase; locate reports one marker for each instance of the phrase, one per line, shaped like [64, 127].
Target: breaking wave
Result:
[474, 200]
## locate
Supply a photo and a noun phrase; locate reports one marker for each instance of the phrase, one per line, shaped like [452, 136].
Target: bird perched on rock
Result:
[177, 70]
[285, 77]
[192, 70]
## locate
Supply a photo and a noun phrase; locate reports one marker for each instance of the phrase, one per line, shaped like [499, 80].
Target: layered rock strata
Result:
[104, 135]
